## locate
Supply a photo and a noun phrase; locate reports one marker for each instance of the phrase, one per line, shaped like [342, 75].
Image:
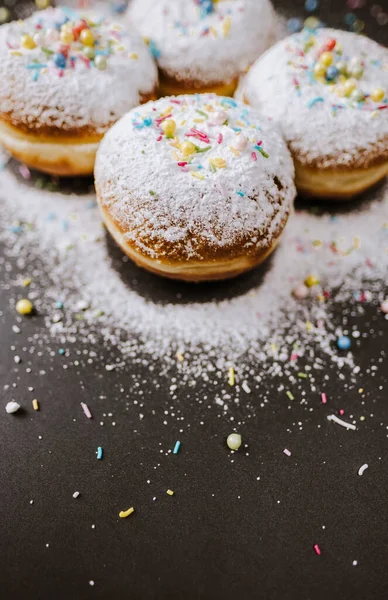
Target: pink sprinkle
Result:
[60, 73]
[259, 143]
[85, 60]
[161, 119]
[175, 102]
[324, 399]
[182, 163]
[159, 138]
[24, 172]
[287, 452]
[293, 356]
[341, 412]
[220, 138]
[317, 550]
[200, 135]
[254, 157]
[86, 410]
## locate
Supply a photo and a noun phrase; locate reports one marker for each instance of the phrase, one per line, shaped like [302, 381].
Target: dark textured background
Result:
[224, 535]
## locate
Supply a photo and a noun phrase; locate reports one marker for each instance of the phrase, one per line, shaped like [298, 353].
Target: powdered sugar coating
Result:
[218, 201]
[214, 48]
[323, 128]
[75, 97]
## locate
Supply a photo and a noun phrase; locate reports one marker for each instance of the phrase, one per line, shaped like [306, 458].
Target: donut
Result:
[66, 78]
[195, 187]
[327, 89]
[203, 45]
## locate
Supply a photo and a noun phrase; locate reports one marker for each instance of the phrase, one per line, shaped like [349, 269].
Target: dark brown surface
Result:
[224, 534]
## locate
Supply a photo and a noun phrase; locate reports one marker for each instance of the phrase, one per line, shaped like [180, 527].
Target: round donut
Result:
[195, 187]
[66, 78]
[327, 89]
[204, 45]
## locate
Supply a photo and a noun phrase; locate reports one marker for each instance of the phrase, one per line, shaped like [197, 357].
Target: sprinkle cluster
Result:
[313, 62]
[62, 38]
[218, 124]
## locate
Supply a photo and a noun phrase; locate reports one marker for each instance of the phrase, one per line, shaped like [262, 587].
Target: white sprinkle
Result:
[17, 359]
[246, 387]
[76, 494]
[15, 329]
[91, 582]
[340, 422]
[355, 563]
[362, 469]
[12, 407]
[287, 452]
[86, 410]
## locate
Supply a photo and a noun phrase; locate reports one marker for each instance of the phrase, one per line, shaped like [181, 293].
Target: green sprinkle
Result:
[201, 112]
[47, 51]
[303, 375]
[198, 149]
[212, 168]
[152, 193]
[290, 395]
[263, 153]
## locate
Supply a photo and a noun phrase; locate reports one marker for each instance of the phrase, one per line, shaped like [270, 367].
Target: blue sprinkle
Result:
[350, 18]
[60, 60]
[65, 225]
[344, 342]
[315, 101]
[237, 129]
[35, 76]
[147, 121]
[59, 304]
[16, 228]
[51, 216]
[99, 453]
[91, 204]
[229, 102]
[36, 66]
[294, 25]
[311, 5]
[240, 193]
[61, 351]
[154, 49]
[176, 447]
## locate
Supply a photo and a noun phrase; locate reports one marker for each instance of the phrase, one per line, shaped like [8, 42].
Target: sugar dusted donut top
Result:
[328, 90]
[195, 177]
[59, 72]
[205, 41]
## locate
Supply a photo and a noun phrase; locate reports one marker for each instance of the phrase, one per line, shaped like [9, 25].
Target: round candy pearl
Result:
[342, 67]
[300, 292]
[319, 70]
[384, 307]
[187, 148]
[89, 52]
[219, 117]
[344, 342]
[330, 44]
[240, 142]
[27, 42]
[60, 60]
[357, 72]
[358, 96]
[24, 307]
[311, 280]
[332, 73]
[66, 37]
[349, 87]
[100, 62]
[169, 127]
[354, 63]
[52, 36]
[87, 37]
[377, 94]
[234, 441]
[326, 58]
[39, 38]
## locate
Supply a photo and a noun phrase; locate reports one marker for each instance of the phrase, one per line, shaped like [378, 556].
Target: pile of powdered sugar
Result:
[252, 321]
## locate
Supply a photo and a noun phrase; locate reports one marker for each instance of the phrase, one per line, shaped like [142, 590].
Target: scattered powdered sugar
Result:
[322, 125]
[36, 91]
[194, 44]
[253, 321]
[215, 202]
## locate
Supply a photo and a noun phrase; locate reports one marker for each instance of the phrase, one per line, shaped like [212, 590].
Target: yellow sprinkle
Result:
[179, 357]
[121, 48]
[167, 111]
[362, 418]
[360, 390]
[170, 492]
[226, 25]
[176, 156]
[274, 347]
[240, 123]
[311, 280]
[35, 404]
[27, 282]
[199, 120]
[235, 152]
[175, 143]
[309, 326]
[133, 55]
[183, 122]
[218, 162]
[317, 243]
[356, 242]
[231, 377]
[123, 514]
[320, 298]
[197, 175]
[213, 31]
[15, 53]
